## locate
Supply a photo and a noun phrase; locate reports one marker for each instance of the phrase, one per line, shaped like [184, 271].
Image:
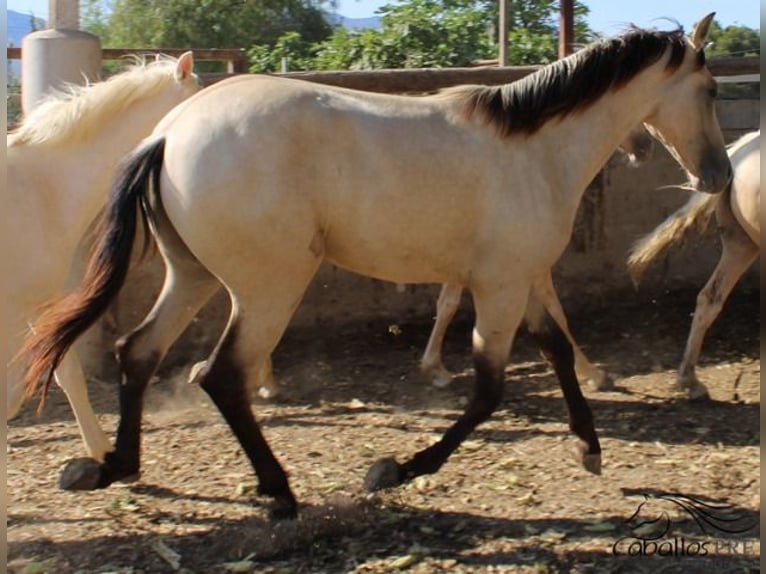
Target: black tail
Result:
[64, 320]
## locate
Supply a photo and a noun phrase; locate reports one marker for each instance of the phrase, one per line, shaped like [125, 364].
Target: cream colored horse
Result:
[60, 162]
[738, 215]
[255, 181]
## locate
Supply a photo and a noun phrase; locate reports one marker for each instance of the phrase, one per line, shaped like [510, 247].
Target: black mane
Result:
[573, 83]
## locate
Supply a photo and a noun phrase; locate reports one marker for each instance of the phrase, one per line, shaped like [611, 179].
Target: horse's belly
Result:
[392, 261]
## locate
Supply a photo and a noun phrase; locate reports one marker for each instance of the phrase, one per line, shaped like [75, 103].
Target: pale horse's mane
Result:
[74, 112]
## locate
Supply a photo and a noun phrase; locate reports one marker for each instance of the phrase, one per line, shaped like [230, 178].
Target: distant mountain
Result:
[355, 23]
[19, 25]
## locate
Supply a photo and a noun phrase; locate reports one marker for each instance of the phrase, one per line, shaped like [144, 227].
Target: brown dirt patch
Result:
[510, 500]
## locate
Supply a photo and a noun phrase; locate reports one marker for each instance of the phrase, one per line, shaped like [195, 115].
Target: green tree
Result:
[734, 41]
[210, 23]
[438, 33]
[94, 18]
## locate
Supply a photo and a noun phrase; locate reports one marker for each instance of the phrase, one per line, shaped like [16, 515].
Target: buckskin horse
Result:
[255, 181]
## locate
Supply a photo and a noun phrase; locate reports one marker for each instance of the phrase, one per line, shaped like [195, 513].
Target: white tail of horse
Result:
[693, 215]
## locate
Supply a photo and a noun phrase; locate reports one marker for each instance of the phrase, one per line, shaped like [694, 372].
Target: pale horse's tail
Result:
[693, 215]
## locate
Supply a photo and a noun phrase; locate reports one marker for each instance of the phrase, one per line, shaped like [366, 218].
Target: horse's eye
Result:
[713, 91]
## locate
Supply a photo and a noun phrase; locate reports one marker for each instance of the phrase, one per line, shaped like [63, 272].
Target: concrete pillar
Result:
[57, 56]
[64, 14]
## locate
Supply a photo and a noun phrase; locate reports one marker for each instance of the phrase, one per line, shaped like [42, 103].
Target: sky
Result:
[608, 17]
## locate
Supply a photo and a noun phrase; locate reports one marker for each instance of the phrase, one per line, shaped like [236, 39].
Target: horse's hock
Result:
[619, 207]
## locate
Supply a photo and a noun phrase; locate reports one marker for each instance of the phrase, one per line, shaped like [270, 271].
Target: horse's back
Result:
[746, 185]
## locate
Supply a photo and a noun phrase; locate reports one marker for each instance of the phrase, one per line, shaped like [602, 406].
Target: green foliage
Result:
[205, 23]
[290, 48]
[432, 33]
[733, 41]
[737, 42]
[94, 19]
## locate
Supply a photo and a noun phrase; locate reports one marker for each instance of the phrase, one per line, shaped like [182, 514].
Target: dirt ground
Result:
[511, 499]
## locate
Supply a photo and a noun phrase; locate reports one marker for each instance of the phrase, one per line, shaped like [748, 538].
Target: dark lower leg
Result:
[122, 463]
[488, 393]
[225, 383]
[558, 351]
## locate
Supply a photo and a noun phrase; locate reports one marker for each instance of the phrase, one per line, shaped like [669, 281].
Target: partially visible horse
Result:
[255, 181]
[61, 160]
[737, 213]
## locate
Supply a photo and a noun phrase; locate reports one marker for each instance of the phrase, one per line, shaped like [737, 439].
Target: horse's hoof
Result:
[601, 382]
[268, 392]
[196, 372]
[438, 376]
[81, 474]
[283, 509]
[592, 463]
[589, 461]
[385, 473]
[693, 389]
[698, 392]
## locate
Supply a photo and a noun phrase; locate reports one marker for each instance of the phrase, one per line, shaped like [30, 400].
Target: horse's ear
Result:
[700, 32]
[185, 66]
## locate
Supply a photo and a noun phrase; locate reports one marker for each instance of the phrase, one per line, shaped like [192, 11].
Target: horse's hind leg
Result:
[738, 254]
[557, 348]
[586, 371]
[259, 318]
[187, 287]
[225, 380]
[498, 315]
[431, 364]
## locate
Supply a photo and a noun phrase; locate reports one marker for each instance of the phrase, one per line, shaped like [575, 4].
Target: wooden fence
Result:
[235, 59]
[418, 80]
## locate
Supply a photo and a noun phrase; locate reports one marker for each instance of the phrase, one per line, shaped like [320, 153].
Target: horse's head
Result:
[638, 147]
[684, 118]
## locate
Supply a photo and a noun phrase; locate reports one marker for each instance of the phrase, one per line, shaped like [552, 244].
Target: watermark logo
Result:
[718, 528]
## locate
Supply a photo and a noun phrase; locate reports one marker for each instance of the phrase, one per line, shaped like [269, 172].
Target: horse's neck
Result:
[592, 136]
[83, 172]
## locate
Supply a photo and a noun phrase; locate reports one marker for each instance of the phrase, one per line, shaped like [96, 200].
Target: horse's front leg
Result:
[71, 379]
[498, 315]
[557, 348]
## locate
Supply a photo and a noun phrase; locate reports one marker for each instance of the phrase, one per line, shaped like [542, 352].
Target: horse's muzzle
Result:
[714, 177]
